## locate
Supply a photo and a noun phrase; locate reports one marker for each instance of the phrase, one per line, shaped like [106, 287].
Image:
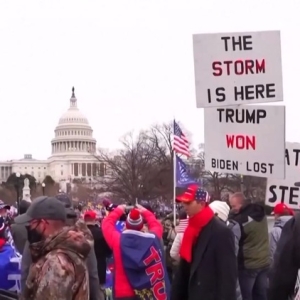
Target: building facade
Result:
[73, 151]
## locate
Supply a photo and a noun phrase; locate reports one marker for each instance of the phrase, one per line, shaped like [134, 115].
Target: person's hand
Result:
[140, 208]
[122, 207]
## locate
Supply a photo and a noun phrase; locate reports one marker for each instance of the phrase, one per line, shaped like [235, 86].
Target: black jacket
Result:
[284, 271]
[212, 275]
[19, 234]
[18, 231]
[102, 251]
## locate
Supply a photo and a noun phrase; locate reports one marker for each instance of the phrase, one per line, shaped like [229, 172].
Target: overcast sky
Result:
[131, 63]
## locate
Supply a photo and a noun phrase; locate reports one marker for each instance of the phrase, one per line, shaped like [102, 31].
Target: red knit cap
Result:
[134, 220]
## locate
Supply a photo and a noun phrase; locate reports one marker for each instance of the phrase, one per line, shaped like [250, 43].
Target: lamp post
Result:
[17, 187]
[43, 187]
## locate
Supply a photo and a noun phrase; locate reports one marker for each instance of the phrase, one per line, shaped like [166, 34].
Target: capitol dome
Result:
[73, 134]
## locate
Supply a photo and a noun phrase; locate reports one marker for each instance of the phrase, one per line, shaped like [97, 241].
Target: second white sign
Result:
[248, 140]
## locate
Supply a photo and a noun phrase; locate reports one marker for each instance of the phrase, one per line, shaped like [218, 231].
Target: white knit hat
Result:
[220, 208]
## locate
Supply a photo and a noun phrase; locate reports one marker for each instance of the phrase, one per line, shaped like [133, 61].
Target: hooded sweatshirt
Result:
[254, 241]
[275, 234]
[58, 270]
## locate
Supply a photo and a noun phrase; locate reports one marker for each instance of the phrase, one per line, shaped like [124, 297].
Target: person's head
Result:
[106, 202]
[134, 220]
[182, 214]
[167, 224]
[148, 207]
[194, 199]
[24, 205]
[282, 209]
[237, 200]
[221, 209]
[3, 209]
[67, 202]
[90, 217]
[45, 216]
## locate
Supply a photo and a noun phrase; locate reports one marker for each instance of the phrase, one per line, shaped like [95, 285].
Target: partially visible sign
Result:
[284, 190]
[10, 269]
[245, 139]
[237, 68]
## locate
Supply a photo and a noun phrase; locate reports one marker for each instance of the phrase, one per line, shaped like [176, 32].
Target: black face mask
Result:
[33, 236]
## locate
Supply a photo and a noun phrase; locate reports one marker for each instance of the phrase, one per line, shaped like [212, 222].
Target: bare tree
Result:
[220, 183]
[82, 192]
[215, 182]
[253, 187]
[139, 169]
[161, 137]
[8, 195]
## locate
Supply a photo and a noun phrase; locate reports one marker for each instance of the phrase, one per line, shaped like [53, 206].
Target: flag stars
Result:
[201, 195]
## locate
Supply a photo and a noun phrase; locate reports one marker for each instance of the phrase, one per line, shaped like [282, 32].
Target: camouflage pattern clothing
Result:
[58, 270]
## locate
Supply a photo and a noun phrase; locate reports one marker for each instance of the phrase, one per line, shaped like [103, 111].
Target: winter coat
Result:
[122, 289]
[174, 252]
[58, 270]
[18, 231]
[236, 230]
[212, 274]
[102, 251]
[275, 234]
[284, 270]
[254, 242]
[19, 234]
[91, 263]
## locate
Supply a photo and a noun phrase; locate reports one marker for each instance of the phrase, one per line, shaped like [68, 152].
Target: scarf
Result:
[196, 224]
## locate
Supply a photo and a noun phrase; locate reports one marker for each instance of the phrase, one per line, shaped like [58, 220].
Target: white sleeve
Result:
[174, 252]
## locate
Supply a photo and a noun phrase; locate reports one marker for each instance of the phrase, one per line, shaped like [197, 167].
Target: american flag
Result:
[180, 142]
[202, 195]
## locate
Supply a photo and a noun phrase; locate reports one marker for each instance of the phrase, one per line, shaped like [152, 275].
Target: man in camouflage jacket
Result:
[58, 270]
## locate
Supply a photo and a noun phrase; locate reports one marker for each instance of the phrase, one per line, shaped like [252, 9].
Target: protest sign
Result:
[237, 68]
[10, 269]
[245, 139]
[285, 190]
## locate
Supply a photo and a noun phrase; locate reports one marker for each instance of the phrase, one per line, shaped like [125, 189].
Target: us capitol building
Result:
[72, 155]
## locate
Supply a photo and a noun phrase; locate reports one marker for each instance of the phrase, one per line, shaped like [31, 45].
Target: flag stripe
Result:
[180, 142]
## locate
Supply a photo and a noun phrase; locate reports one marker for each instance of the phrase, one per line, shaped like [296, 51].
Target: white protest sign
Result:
[284, 190]
[245, 139]
[237, 68]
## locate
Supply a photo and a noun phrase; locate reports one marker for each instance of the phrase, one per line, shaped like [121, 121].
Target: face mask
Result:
[33, 236]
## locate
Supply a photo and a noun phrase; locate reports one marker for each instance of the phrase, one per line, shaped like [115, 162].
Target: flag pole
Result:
[174, 180]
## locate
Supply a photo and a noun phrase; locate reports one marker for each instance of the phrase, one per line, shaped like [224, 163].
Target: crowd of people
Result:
[216, 250]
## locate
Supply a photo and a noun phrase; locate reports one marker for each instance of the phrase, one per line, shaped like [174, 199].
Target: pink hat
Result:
[134, 220]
